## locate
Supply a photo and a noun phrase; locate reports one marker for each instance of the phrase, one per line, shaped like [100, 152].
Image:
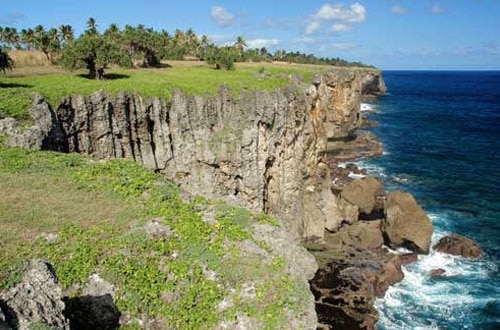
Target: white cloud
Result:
[437, 9]
[343, 46]
[340, 16]
[259, 43]
[354, 14]
[340, 27]
[399, 10]
[221, 16]
[312, 27]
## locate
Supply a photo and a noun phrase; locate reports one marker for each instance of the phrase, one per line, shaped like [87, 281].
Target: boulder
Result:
[408, 258]
[35, 300]
[458, 245]
[363, 193]
[438, 272]
[363, 235]
[406, 224]
[347, 283]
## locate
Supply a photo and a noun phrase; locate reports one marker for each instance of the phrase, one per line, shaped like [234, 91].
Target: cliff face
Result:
[263, 150]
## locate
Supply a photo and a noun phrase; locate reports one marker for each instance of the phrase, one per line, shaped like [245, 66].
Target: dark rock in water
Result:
[35, 300]
[459, 245]
[354, 269]
[406, 224]
[347, 283]
[439, 272]
[408, 258]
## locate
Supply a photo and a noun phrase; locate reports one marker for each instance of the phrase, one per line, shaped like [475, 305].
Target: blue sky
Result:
[390, 34]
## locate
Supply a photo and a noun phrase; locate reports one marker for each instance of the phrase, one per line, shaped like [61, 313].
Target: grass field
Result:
[88, 216]
[189, 76]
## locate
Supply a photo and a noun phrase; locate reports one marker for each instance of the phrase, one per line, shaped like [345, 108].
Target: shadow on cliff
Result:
[11, 320]
[14, 85]
[92, 312]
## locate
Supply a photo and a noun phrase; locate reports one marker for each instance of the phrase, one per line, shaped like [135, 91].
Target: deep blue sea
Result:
[441, 135]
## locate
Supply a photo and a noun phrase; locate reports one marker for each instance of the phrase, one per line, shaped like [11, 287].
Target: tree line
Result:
[138, 46]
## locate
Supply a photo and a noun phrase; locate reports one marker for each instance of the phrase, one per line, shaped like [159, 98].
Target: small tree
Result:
[6, 62]
[223, 57]
[93, 52]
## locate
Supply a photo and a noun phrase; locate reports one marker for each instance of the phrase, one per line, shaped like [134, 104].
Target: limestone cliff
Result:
[264, 150]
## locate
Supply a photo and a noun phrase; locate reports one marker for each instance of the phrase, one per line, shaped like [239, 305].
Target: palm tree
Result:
[28, 38]
[192, 42]
[11, 37]
[239, 45]
[91, 26]
[66, 33]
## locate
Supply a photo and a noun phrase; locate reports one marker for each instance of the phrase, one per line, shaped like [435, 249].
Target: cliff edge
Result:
[262, 150]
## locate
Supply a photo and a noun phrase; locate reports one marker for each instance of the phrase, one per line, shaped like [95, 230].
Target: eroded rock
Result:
[406, 224]
[35, 300]
[459, 245]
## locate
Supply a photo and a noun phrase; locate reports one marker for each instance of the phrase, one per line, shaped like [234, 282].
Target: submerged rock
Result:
[438, 272]
[459, 245]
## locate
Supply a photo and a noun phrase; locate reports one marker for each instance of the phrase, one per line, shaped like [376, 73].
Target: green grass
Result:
[17, 86]
[97, 211]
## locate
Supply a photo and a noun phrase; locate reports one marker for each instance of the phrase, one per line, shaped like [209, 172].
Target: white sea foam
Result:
[368, 107]
[374, 170]
[355, 176]
[410, 303]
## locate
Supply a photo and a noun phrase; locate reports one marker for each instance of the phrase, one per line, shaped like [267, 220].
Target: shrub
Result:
[223, 57]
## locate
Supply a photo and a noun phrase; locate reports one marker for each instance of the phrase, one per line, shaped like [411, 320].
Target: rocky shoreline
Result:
[278, 152]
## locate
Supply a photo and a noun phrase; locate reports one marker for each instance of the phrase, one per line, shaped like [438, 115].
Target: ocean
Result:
[441, 136]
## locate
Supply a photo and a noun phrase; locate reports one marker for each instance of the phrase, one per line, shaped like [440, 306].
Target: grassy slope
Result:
[191, 77]
[98, 210]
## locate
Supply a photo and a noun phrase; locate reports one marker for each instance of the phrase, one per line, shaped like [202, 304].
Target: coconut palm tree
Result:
[66, 33]
[239, 45]
[91, 26]
[28, 38]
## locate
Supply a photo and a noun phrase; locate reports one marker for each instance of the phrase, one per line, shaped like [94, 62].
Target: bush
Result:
[223, 57]
[5, 61]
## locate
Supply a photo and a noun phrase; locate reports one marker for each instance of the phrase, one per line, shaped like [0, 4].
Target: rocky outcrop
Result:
[354, 270]
[459, 245]
[373, 85]
[45, 134]
[264, 150]
[36, 300]
[406, 224]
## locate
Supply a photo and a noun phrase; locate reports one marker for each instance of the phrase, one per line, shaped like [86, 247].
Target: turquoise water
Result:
[441, 134]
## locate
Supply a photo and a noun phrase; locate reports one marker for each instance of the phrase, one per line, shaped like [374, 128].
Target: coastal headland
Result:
[281, 152]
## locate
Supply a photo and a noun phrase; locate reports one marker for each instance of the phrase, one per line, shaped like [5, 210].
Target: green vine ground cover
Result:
[87, 216]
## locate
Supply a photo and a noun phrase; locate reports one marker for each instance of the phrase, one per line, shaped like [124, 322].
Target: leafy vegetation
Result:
[93, 217]
[143, 44]
[5, 61]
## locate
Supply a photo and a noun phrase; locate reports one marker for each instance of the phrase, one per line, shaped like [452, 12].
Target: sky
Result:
[390, 34]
